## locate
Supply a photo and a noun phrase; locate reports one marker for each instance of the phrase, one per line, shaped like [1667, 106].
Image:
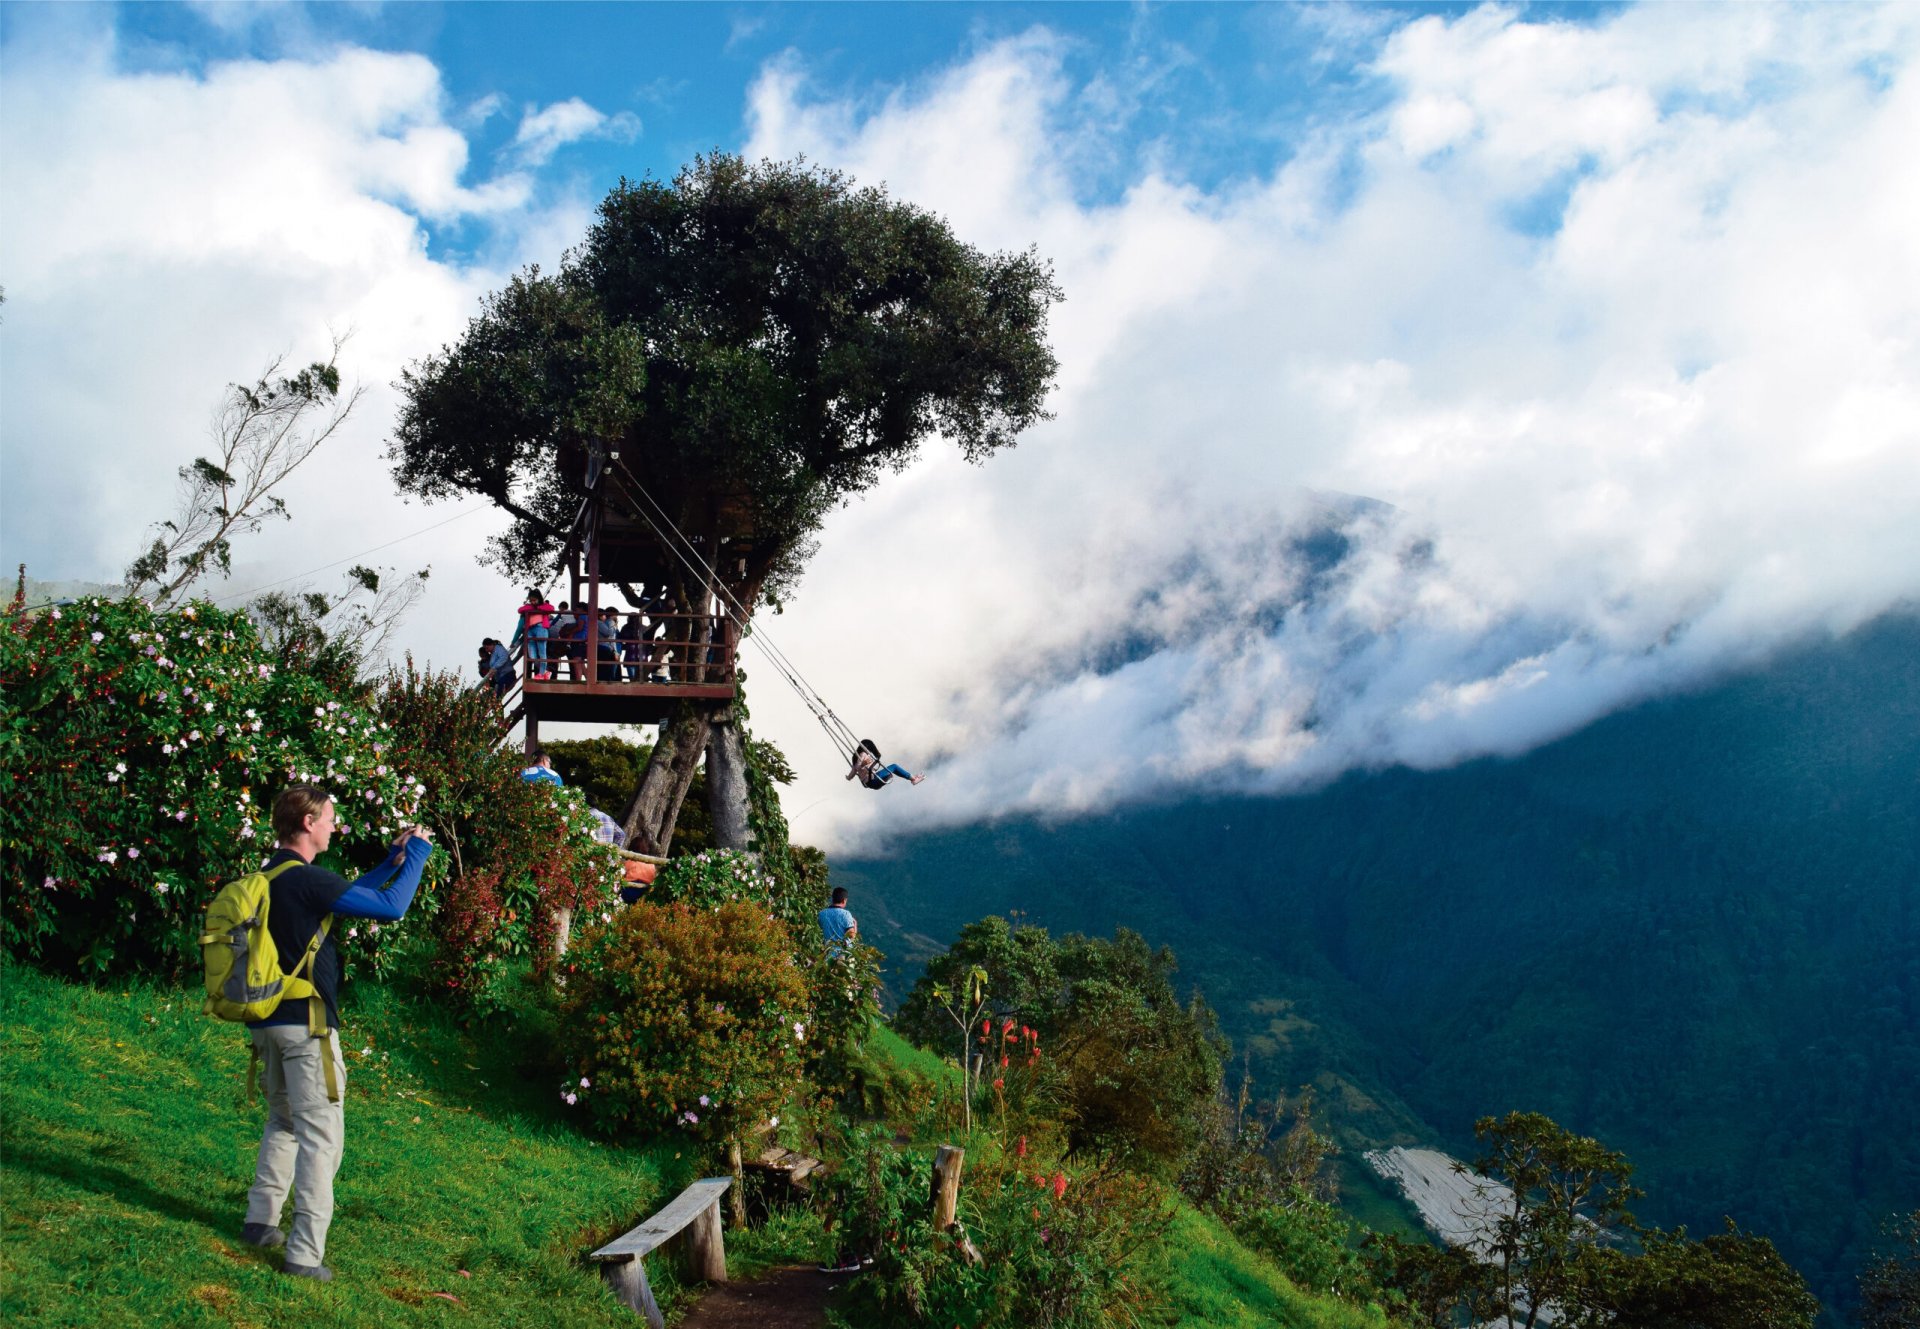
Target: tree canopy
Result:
[762, 336]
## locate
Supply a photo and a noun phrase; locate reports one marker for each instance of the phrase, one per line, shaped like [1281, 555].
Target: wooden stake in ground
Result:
[739, 1198]
[946, 1185]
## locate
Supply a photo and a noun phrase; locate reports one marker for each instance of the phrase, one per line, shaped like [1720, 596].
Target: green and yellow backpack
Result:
[244, 979]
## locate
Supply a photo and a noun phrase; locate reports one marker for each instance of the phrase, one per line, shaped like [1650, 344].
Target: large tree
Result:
[761, 340]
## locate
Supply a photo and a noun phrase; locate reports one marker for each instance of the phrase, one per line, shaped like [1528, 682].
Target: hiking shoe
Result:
[264, 1235]
[319, 1273]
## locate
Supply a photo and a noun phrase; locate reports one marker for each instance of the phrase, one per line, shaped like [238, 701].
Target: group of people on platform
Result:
[632, 645]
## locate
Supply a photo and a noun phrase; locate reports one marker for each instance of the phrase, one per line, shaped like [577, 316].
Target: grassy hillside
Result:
[1689, 930]
[126, 1148]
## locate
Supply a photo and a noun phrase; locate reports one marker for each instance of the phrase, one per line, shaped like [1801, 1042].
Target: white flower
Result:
[250, 712]
[194, 734]
[160, 886]
[49, 883]
[99, 636]
[704, 1100]
[113, 777]
[107, 856]
[56, 613]
[799, 1032]
[570, 1098]
[181, 815]
[774, 1121]
[133, 853]
[586, 1084]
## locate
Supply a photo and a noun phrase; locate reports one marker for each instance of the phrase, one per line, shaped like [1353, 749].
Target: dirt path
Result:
[794, 1297]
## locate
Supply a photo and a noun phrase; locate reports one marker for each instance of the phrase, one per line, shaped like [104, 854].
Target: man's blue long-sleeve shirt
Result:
[301, 896]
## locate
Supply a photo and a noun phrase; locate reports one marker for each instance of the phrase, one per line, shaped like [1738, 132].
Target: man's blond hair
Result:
[296, 803]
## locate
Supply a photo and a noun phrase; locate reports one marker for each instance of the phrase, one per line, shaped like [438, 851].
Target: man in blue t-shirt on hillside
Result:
[302, 1070]
[837, 923]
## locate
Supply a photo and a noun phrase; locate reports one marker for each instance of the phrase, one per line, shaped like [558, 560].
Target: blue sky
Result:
[1210, 92]
[1611, 310]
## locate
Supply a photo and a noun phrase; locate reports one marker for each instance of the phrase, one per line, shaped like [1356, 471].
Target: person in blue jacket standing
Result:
[302, 1070]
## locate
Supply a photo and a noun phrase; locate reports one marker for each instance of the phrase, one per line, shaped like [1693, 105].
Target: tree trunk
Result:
[727, 785]
[655, 805]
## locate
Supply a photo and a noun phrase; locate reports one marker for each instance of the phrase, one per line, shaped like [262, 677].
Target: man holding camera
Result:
[302, 1069]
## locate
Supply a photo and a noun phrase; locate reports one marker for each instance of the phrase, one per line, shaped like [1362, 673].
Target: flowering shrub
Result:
[140, 755]
[686, 1018]
[520, 849]
[1060, 1249]
[842, 982]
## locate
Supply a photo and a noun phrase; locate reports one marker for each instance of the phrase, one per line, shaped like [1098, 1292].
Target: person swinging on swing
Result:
[866, 768]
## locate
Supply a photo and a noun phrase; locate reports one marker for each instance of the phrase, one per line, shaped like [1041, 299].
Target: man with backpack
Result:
[298, 1044]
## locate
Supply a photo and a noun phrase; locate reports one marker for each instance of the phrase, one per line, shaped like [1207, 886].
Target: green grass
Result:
[126, 1149]
[1214, 1282]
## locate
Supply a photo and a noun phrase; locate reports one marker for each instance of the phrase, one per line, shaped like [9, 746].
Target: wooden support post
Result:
[706, 1245]
[532, 720]
[738, 1196]
[628, 1279]
[946, 1185]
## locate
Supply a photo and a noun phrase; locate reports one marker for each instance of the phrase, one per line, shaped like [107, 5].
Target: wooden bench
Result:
[696, 1210]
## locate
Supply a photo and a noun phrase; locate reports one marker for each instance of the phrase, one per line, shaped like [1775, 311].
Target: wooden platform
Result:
[616, 703]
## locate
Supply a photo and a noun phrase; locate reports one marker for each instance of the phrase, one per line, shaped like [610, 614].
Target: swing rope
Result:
[677, 543]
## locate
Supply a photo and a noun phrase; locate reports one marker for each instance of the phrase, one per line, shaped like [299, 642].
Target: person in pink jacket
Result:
[536, 623]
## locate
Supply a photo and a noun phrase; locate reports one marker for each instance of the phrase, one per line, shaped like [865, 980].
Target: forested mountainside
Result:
[1689, 930]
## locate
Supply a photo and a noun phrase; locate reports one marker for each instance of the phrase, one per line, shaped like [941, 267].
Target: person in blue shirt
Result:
[837, 923]
[541, 770]
[302, 1070]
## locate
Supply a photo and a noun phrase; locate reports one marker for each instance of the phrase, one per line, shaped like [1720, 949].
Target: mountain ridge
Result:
[1688, 929]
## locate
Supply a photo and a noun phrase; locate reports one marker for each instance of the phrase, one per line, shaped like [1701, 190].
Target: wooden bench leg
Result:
[706, 1246]
[628, 1279]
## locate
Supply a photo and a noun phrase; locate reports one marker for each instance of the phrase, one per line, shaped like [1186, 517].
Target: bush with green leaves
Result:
[1133, 1071]
[141, 753]
[1306, 1238]
[684, 1017]
[520, 850]
[1061, 1246]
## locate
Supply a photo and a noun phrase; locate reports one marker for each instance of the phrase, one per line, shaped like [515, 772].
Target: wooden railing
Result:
[693, 649]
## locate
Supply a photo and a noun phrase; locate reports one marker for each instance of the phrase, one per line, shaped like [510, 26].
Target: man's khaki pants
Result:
[304, 1136]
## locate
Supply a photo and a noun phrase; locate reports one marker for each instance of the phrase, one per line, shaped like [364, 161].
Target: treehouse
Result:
[688, 572]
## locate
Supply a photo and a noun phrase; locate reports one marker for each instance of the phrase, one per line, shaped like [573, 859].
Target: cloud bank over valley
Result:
[1550, 366]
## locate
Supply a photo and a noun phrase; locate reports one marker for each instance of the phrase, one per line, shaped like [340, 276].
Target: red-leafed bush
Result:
[686, 1018]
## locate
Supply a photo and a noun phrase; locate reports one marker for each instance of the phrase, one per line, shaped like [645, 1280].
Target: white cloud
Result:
[1617, 321]
[168, 233]
[1619, 317]
[545, 131]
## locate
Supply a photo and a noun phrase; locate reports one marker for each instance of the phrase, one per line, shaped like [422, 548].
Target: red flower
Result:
[986, 1028]
[1021, 1149]
[1059, 1184]
[999, 1084]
